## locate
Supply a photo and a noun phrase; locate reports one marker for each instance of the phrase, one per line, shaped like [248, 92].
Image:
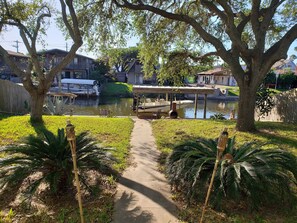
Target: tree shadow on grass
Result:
[38, 127]
[270, 132]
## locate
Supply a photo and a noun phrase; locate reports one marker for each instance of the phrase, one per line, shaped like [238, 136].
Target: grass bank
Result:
[112, 132]
[169, 133]
[119, 89]
[234, 91]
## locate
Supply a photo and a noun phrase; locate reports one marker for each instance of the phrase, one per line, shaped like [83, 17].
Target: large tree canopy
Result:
[253, 33]
[30, 17]
[119, 58]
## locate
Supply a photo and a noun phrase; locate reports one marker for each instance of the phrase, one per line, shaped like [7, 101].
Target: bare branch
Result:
[261, 27]
[279, 49]
[255, 12]
[11, 63]
[75, 25]
[65, 19]
[200, 58]
[39, 20]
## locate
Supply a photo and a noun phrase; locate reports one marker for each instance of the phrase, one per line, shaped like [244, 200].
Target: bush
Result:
[217, 116]
[248, 173]
[48, 158]
[264, 100]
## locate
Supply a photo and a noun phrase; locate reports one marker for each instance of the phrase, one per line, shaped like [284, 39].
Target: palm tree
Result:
[247, 173]
[49, 158]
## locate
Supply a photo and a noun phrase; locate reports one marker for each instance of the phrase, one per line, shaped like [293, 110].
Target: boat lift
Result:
[141, 89]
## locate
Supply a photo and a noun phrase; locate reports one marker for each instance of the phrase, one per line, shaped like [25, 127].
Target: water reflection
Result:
[122, 107]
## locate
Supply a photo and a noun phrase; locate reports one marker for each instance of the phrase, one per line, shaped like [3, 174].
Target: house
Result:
[121, 77]
[135, 74]
[218, 75]
[284, 66]
[80, 67]
[21, 61]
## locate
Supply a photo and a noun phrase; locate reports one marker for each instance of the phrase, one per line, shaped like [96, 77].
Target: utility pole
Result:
[17, 45]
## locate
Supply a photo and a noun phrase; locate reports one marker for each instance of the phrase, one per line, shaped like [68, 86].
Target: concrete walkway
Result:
[143, 195]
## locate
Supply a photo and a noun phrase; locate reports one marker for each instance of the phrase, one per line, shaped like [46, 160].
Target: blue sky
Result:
[55, 39]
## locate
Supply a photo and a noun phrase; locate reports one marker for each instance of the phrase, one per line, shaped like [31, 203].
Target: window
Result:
[75, 60]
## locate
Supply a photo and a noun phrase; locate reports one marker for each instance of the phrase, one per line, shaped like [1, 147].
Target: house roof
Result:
[280, 63]
[131, 64]
[280, 68]
[53, 51]
[16, 54]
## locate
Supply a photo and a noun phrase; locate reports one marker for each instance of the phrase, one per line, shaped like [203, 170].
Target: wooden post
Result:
[205, 102]
[70, 133]
[137, 104]
[171, 99]
[222, 142]
[196, 105]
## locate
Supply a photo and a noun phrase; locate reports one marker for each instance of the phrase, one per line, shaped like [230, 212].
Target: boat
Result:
[161, 105]
[78, 87]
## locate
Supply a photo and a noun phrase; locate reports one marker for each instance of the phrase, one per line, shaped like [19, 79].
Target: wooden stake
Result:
[70, 133]
[222, 142]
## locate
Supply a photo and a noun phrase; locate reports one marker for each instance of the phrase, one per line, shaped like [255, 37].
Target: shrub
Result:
[247, 173]
[264, 100]
[217, 116]
[49, 158]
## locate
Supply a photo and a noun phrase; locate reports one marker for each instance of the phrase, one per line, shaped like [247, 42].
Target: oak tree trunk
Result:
[37, 101]
[246, 109]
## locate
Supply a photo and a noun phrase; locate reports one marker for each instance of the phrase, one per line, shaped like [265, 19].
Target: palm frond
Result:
[246, 173]
[50, 155]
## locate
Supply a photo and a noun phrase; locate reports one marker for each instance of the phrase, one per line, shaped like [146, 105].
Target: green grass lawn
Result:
[117, 89]
[111, 132]
[115, 132]
[234, 91]
[169, 133]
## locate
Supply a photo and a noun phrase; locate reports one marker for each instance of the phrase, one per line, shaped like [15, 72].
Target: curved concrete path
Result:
[143, 195]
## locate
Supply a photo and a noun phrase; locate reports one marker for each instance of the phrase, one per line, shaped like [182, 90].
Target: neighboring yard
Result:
[234, 91]
[169, 133]
[112, 132]
[117, 89]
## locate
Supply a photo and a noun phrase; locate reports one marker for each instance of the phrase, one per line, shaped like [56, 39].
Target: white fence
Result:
[13, 98]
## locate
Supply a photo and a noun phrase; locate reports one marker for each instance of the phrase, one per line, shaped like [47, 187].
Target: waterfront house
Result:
[284, 67]
[21, 61]
[79, 68]
[136, 76]
[218, 75]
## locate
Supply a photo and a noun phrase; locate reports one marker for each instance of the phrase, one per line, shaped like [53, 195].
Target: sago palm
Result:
[47, 158]
[246, 173]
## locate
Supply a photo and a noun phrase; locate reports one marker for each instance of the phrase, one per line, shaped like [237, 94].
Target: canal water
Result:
[122, 107]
